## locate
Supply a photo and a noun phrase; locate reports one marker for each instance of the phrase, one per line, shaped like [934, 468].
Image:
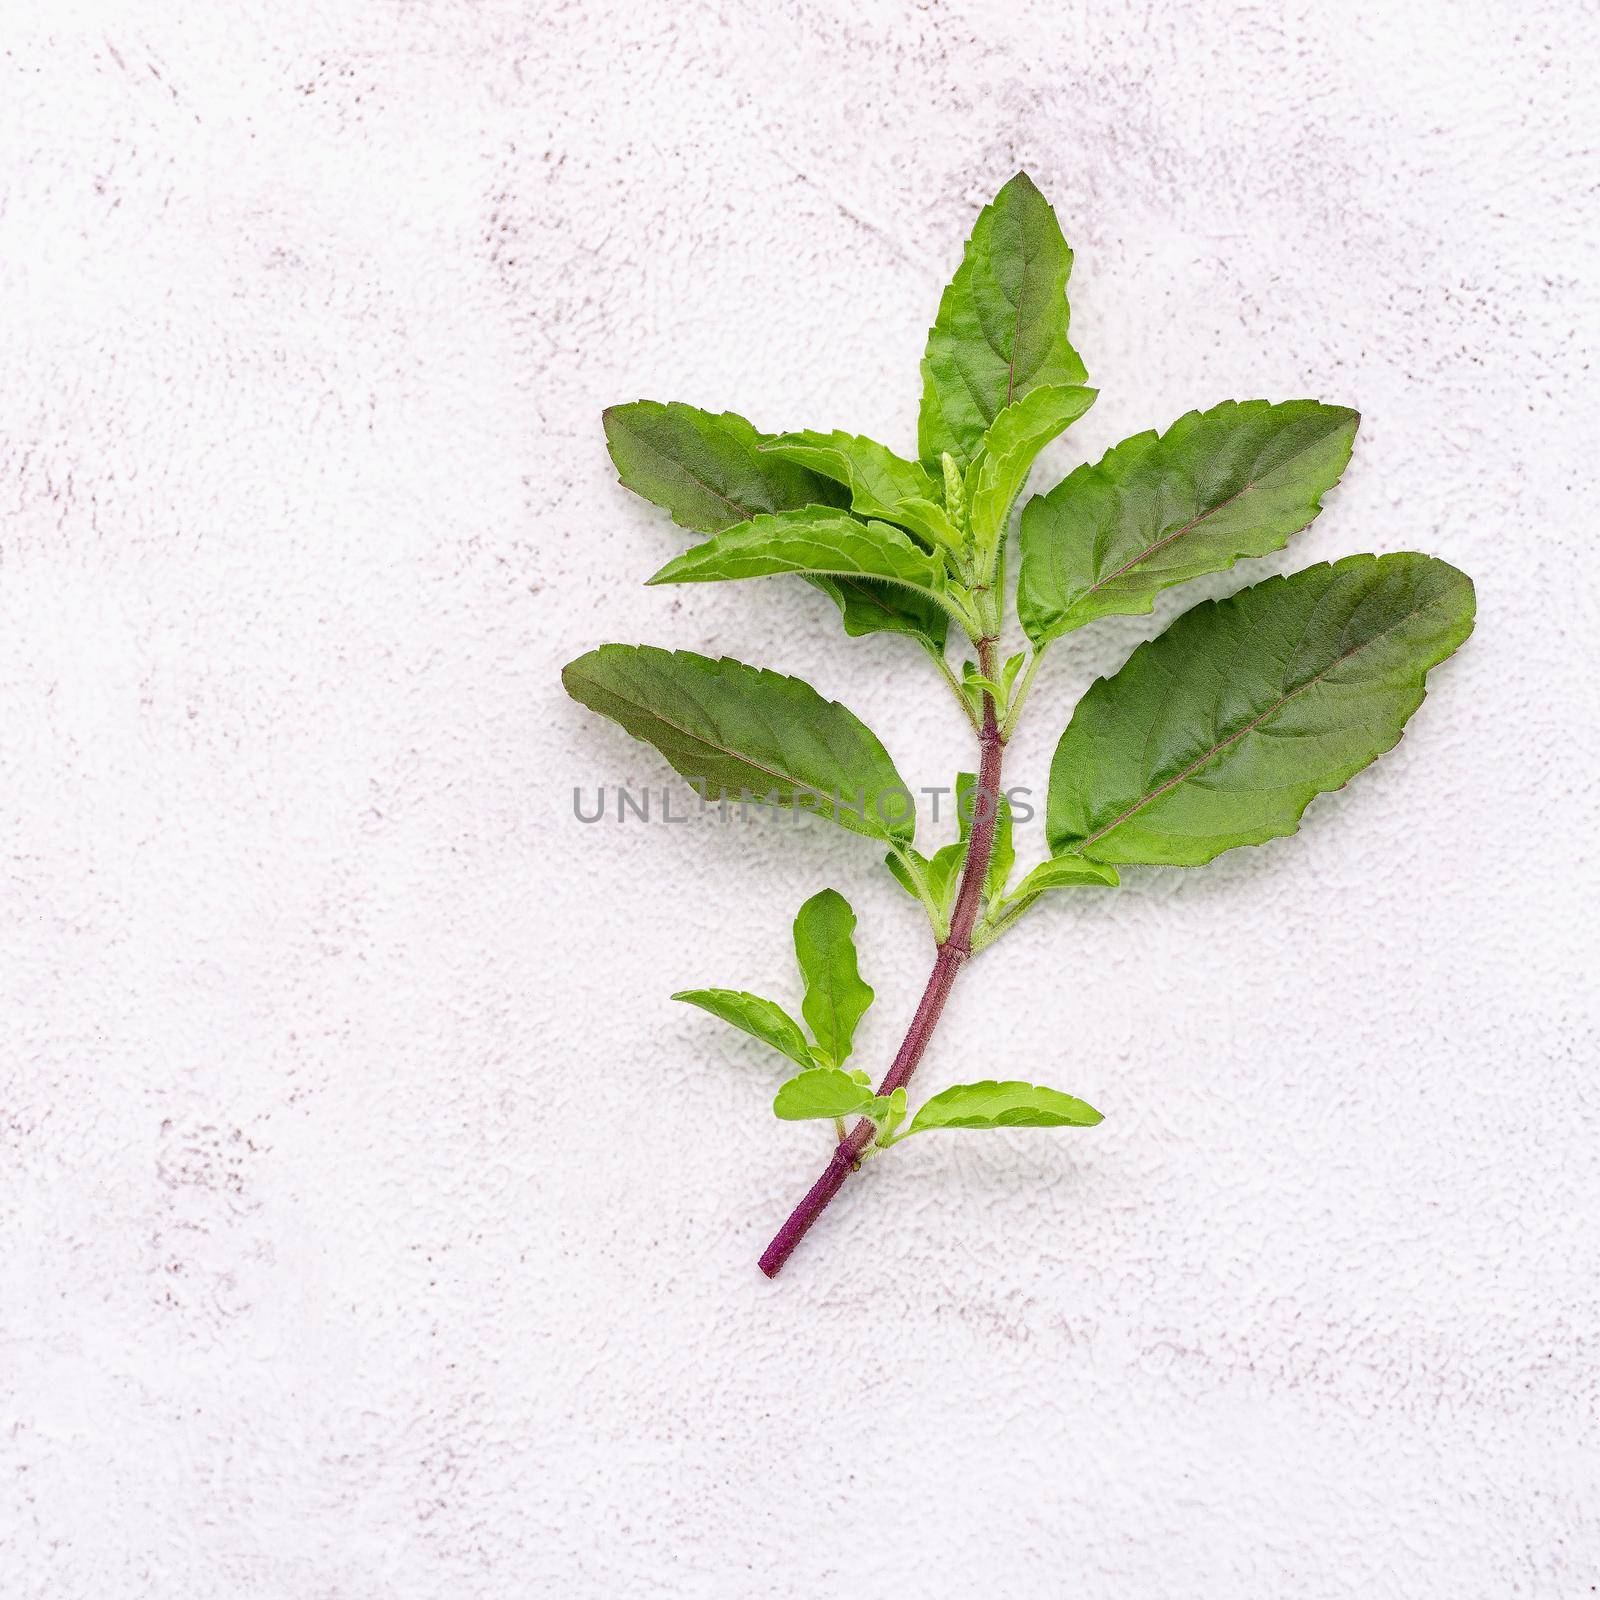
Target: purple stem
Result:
[955, 949]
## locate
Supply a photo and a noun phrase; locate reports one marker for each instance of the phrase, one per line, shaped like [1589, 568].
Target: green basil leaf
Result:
[1009, 447]
[944, 876]
[814, 542]
[1001, 331]
[1002, 1105]
[888, 1111]
[1059, 872]
[1221, 731]
[836, 998]
[869, 605]
[761, 1019]
[941, 873]
[740, 731]
[821, 1092]
[881, 484]
[706, 468]
[1159, 509]
[709, 471]
[907, 866]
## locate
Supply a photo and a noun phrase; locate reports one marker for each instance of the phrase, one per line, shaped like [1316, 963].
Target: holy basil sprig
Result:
[1216, 733]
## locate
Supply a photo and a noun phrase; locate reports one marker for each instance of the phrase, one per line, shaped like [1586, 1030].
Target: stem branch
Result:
[954, 950]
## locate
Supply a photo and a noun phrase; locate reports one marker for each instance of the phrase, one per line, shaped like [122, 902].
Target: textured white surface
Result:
[372, 1223]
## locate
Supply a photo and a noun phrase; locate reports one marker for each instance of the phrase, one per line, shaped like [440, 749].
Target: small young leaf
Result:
[944, 875]
[814, 542]
[1008, 449]
[909, 868]
[888, 1111]
[821, 1092]
[738, 731]
[1001, 331]
[1002, 1105]
[706, 468]
[1223, 729]
[1059, 872]
[881, 484]
[1159, 509]
[836, 998]
[761, 1019]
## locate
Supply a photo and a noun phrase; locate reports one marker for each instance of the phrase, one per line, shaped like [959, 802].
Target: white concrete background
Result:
[372, 1224]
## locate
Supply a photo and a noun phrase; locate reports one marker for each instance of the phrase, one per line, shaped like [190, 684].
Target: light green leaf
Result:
[908, 867]
[739, 731]
[1221, 731]
[881, 484]
[888, 1111]
[940, 874]
[944, 876]
[709, 471]
[1059, 872]
[761, 1019]
[814, 542]
[1009, 447]
[836, 998]
[706, 468]
[1002, 1105]
[821, 1092]
[1159, 509]
[1001, 331]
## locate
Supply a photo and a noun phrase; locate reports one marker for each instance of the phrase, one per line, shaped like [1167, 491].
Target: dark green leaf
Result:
[1221, 731]
[1160, 509]
[869, 605]
[814, 542]
[1001, 331]
[1002, 1105]
[761, 1019]
[706, 468]
[737, 730]
[836, 998]
[881, 484]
